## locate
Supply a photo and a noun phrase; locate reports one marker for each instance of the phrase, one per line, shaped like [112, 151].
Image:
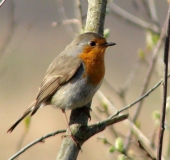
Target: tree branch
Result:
[131, 18]
[141, 98]
[79, 117]
[147, 153]
[146, 81]
[100, 126]
[165, 85]
[35, 142]
[2, 2]
[96, 16]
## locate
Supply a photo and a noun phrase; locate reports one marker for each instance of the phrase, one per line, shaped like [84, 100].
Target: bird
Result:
[73, 77]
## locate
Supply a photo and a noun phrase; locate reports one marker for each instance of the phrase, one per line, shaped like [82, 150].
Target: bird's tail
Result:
[22, 117]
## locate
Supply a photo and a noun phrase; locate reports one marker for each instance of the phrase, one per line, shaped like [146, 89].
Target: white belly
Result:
[74, 94]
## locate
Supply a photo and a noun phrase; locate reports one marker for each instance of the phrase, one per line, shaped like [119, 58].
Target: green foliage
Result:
[106, 33]
[141, 54]
[122, 157]
[151, 40]
[104, 106]
[27, 122]
[168, 104]
[137, 124]
[112, 149]
[119, 144]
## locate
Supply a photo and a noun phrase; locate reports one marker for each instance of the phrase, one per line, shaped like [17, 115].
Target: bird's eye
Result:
[92, 43]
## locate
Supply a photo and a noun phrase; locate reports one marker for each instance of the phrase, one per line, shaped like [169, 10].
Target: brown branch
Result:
[35, 142]
[146, 81]
[141, 98]
[147, 153]
[133, 19]
[165, 86]
[79, 117]
[100, 126]
[83, 132]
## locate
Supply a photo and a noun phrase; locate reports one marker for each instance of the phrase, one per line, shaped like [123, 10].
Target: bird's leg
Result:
[72, 136]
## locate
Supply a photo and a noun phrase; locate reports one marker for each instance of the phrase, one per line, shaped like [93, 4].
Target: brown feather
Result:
[55, 78]
[22, 117]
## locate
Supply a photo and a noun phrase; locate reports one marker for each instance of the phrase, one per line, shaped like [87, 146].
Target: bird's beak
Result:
[109, 44]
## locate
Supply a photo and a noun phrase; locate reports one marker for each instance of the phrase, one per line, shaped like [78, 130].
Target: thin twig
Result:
[120, 93]
[146, 81]
[147, 153]
[64, 17]
[128, 122]
[22, 138]
[130, 78]
[131, 18]
[98, 127]
[12, 25]
[141, 98]
[35, 142]
[153, 12]
[66, 22]
[79, 14]
[106, 112]
[101, 125]
[165, 85]
[142, 7]
[2, 2]
[105, 121]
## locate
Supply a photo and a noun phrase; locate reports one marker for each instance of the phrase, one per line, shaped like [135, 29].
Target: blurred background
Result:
[32, 35]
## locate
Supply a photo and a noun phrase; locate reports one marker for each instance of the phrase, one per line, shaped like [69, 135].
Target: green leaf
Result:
[106, 33]
[122, 157]
[156, 115]
[119, 144]
[151, 40]
[141, 54]
[168, 104]
[27, 122]
[112, 149]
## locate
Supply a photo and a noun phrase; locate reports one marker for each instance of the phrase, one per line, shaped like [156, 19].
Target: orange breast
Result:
[94, 64]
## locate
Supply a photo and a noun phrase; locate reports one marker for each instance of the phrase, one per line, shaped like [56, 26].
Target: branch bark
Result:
[165, 86]
[96, 16]
[146, 82]
[82, 132]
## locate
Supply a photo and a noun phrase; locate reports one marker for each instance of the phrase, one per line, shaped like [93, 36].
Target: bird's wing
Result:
[59, 72]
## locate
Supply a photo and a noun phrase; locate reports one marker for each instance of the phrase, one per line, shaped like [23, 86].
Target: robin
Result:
[73, 77]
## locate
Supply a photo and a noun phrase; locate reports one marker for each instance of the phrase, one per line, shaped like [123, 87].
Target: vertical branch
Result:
[153, 13]
[96, 16]
[63, 15]
[79, 14]
[165, 84]
[79, 117]
[146, 82]
[11, 28]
